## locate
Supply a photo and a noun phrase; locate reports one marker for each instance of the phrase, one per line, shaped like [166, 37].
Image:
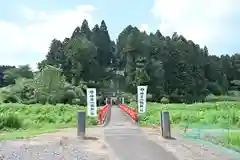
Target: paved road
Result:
[129, 142]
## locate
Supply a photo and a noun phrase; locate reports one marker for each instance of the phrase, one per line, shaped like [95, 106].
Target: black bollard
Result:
[161, 122]
[165, 124]
[81, 124]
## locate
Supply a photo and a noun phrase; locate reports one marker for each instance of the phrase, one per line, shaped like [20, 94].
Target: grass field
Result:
[218, 122]
[19, 120]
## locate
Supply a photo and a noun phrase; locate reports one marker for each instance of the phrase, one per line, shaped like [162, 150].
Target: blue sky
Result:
[27, 27]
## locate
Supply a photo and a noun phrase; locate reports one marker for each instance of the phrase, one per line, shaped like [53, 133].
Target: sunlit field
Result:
[217, 122]
[19, 120]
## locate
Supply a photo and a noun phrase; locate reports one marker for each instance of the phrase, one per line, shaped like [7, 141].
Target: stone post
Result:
[81, 124]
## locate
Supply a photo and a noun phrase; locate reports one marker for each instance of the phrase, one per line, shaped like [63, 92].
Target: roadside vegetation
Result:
[217, 122]
[19, 120]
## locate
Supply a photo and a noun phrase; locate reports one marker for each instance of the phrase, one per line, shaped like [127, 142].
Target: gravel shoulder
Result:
[63, 144]
[186, 149]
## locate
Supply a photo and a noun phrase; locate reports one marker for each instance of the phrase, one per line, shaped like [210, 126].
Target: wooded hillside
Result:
[173, 67]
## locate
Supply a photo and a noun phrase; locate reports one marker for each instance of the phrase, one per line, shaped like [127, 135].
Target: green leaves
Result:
[49, 82]
[12, 74]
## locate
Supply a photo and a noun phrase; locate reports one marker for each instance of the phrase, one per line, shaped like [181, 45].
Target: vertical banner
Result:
[142, 98]
[91, 102]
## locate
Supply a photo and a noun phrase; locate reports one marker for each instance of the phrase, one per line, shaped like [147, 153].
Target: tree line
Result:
[174, 68]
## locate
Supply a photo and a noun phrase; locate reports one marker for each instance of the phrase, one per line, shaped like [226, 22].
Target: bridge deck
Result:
[129, 142]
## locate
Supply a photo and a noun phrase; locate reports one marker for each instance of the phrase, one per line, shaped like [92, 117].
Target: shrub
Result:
[76, 101]
[164, 100]
[128, 98]
[214, 88]
[234, 93]
[149, 97]
[212, 98]
[11, 99]
[15, 116]
[9, 121]
[68, 96]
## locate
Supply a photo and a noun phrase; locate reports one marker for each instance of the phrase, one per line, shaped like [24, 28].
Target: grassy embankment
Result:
[20, 121]
[208, 118]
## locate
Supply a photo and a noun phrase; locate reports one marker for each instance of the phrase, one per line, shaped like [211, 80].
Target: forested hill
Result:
[172, 67]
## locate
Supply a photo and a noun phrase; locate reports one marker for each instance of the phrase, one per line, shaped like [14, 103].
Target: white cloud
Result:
[28, 13]
[144, 27]
[203, 21]
[25, 40]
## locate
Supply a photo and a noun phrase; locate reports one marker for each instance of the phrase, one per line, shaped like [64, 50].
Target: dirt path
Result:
[185, 149]
[60, 145]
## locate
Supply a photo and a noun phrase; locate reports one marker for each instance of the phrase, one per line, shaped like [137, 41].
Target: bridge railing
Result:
[103, 113]
[130, 111]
